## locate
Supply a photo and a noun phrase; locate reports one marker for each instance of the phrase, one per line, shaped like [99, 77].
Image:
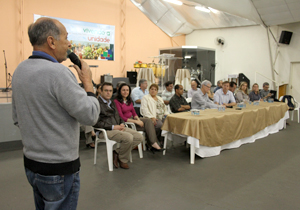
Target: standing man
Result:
[224, 96]
[48, 105]
[219, 86]
[168, 92]
[137, 94]
[111, 121]
[194, 89]
[201, 100]
[177, 102]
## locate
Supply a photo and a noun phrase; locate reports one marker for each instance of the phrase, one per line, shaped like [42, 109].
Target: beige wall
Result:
[142, 37]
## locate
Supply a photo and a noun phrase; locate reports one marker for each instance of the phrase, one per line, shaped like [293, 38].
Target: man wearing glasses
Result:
[200, 100]
[110, 120]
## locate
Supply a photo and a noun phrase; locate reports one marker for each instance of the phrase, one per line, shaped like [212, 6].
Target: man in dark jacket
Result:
[111, 121]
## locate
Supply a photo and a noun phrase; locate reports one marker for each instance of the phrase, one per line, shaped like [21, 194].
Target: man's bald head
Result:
[43, 28]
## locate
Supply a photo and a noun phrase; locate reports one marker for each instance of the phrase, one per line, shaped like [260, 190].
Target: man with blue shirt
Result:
[224, 96]
[48, 105]
[137, 94]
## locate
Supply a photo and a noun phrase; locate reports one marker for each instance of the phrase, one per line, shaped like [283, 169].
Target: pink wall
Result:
[142, 37]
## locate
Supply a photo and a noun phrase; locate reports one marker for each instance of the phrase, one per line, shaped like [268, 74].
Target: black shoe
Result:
[89, 146]
[93, 138]
[153, 150]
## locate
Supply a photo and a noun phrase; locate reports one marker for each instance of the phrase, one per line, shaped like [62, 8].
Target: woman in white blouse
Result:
[153, 107]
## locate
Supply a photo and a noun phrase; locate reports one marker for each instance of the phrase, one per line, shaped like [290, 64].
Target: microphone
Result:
[73, 57]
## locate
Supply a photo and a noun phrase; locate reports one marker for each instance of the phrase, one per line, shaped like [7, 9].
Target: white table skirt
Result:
[204, 151]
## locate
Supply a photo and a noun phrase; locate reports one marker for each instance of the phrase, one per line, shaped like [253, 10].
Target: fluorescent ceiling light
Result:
[189, 47]
[187, 56]
[213, 10]
[174, 2]
[203, 9]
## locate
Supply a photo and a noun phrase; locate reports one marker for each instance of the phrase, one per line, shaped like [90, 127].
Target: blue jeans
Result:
[54, 192]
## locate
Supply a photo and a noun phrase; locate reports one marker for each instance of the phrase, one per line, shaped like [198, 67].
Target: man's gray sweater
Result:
[48, 105]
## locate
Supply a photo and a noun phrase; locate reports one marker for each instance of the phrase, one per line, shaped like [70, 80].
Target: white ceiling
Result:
[176, 20]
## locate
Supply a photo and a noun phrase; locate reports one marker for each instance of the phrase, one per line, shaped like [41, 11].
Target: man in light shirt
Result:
[200, 100]
[224, 96]
[137, 94]
[168, 92]
[193, 90]
[219, 86]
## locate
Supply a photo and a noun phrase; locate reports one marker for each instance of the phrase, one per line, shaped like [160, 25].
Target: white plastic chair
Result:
[109, 148]
[189, 100]
[133, 127]
[295, 109]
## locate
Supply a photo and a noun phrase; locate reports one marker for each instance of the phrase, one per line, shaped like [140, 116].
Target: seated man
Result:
[219, 86]
[232, 87]
[111, 121]
[137, 94]
[201, 100]
[265, 92]
[193, 90]
[177, 102]
[168, 92]
[224, 96]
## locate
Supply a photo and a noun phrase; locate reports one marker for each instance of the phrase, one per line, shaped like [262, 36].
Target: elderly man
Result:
[224, 96]
[111, 121]
[48, 105]
[201, 100]
[168, 92]
[219, 86]
[232, 86]
[137, 94]
[265, 92]
[177, 102]
[193, 90]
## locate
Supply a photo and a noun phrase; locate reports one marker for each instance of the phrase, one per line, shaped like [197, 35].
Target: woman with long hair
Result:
[126, 111]
[242, 92]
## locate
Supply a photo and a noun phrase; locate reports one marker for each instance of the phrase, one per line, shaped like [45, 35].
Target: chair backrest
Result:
[289, 100]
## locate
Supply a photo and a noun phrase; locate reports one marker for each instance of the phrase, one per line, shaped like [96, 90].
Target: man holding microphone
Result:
[48, 105]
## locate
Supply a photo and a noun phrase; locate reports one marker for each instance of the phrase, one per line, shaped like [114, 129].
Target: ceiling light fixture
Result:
[203, 9]
[213, 10]
[187, 57]
[174, 2]
[190, 47]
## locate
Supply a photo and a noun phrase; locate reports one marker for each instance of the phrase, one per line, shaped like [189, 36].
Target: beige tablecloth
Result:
[214, 128]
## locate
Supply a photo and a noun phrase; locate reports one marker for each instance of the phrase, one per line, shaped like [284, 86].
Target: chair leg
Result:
[192, 153]
[298, 115]
[165, 144]
[130, 157]
[109, 149]
[140, 150]
[95, 152]
[292, 118]
[144, 144]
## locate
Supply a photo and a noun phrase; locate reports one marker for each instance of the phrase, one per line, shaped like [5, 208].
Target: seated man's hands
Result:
[119, 127]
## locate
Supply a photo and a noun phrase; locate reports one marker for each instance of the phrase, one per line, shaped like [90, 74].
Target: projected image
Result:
[90, 50]
[89, 40]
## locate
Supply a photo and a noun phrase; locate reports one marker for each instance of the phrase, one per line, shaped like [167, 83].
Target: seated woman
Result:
[242, 93]
[254, 95]
[153, 107]
[126, 111]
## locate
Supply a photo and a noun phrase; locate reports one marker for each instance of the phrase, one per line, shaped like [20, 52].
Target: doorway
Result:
[294, 87]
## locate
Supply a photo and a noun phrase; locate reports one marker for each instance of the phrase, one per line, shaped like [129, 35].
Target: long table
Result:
[213, 129]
